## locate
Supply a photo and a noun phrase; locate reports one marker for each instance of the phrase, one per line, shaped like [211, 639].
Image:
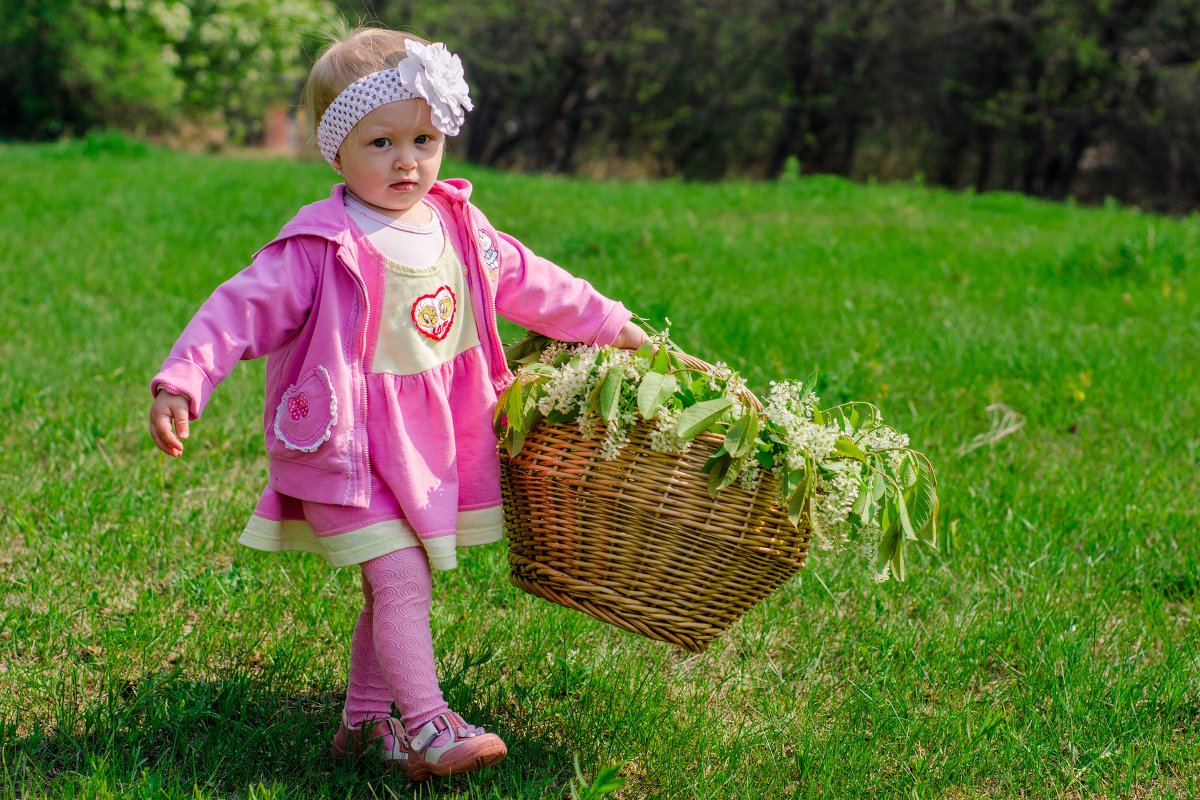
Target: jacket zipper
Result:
[362, 364]
[490, 307]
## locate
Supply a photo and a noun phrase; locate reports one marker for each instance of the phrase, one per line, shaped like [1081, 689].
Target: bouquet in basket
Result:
[840, 472]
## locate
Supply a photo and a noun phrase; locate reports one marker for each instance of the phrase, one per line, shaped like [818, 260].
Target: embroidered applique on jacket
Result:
[491, 256]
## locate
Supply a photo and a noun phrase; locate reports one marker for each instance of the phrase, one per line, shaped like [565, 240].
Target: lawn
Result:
[1049, 648]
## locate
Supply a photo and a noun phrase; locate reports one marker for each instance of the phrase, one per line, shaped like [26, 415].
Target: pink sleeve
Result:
[542, 296]
[256, 311]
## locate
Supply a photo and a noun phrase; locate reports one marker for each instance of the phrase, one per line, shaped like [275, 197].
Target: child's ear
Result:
[337, 163]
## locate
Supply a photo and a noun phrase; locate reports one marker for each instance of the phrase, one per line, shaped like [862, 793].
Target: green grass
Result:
[1049, 649]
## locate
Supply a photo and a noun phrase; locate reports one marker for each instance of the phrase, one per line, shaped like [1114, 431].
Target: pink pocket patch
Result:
[433, 314]
[307, 411]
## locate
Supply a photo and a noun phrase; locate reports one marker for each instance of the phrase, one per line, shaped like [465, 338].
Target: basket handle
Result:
[690, 362]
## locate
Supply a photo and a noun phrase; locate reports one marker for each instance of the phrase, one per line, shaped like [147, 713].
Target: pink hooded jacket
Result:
[306, 303]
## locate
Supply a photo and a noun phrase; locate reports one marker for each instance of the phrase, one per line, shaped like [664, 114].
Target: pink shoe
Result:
[352, 741]
[446, 745]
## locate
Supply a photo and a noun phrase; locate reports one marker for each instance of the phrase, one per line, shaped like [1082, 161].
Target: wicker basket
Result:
[637, 542]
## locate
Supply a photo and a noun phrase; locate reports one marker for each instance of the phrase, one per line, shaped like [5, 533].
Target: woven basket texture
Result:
[638, 542]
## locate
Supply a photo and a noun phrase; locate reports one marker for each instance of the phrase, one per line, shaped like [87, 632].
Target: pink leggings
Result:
[391, 653]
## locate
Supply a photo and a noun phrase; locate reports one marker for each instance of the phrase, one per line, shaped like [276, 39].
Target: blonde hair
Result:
[351, 53]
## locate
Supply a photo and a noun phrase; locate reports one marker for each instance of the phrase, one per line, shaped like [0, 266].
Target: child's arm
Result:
[253, 313]
[540, 295]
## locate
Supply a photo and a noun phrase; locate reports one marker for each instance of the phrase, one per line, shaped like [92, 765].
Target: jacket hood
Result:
[327, 218]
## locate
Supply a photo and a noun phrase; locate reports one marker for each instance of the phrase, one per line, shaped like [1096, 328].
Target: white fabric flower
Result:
[436, 74]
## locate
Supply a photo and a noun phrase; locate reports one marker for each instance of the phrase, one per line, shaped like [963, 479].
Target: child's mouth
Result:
[404, 186]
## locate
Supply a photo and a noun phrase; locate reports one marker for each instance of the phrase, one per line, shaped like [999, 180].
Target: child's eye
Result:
[380, 142]
[422, 139]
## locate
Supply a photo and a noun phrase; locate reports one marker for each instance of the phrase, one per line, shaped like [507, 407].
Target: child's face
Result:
[391, 158]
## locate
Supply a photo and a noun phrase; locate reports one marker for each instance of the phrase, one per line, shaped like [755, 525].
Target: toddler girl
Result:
[376, 310]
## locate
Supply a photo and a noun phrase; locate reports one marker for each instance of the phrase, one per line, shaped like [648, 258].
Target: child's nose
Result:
[406, 159]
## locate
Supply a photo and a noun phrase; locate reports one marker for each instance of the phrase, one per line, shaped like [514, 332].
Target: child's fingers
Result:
[180, 416]
[160, 431]
[165, 439]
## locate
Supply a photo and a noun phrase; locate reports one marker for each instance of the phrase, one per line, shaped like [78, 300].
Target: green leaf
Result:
[847, 447]
[646, 351]
[610, 393]
[908, 472]
[923, 507]
[498, 415]
[593, 399]
[766, 458]
[662, 361]
[887, 517]
[735, 470]
[799, 498]
[897, 561]
[685, 394]
[716, 476]
[880, 488]
[713, 459]
[653, 392]
[540, 369]
[813, 519]
[515, 403]
[532, 413]
[905, 522]
[527, 349]
[887, 546]
[739, 440]
[700, 417]
[515, 442]
[862, 503]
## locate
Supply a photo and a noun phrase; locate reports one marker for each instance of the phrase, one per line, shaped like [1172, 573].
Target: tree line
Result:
[1091, 98]
[1056, 98]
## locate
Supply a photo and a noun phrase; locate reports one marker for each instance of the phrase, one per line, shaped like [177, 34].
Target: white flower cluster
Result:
[553, 350]
[572, 385]
[616, 435]
[839, 480]
[570, 390]
[587, 420]
[791, 406]
[867, 546]
[664, 438]
[748, 480]
[838, 483]
[889, 439]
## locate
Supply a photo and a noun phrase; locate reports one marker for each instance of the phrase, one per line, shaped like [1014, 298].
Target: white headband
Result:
[430, 72]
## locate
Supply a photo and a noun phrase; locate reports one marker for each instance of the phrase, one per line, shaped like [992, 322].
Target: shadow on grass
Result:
[165, 736]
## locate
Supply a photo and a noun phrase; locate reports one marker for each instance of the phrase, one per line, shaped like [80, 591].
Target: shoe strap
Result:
[445, 721]
[399, 749]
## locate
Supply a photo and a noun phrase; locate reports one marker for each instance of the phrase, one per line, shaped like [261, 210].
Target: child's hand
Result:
[630, 337]
[166, 412]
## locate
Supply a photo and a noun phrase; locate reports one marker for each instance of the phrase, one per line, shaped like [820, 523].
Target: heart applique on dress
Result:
[433, 314]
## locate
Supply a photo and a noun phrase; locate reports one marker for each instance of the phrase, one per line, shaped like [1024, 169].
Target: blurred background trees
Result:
[1085, 98]
[148, 66]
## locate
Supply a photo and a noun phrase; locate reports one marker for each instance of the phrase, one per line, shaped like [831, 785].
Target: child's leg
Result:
[401, 589]
[367, 693]
[439, 742]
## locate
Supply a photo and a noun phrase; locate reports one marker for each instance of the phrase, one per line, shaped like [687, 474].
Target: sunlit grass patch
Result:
[1048, 649]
